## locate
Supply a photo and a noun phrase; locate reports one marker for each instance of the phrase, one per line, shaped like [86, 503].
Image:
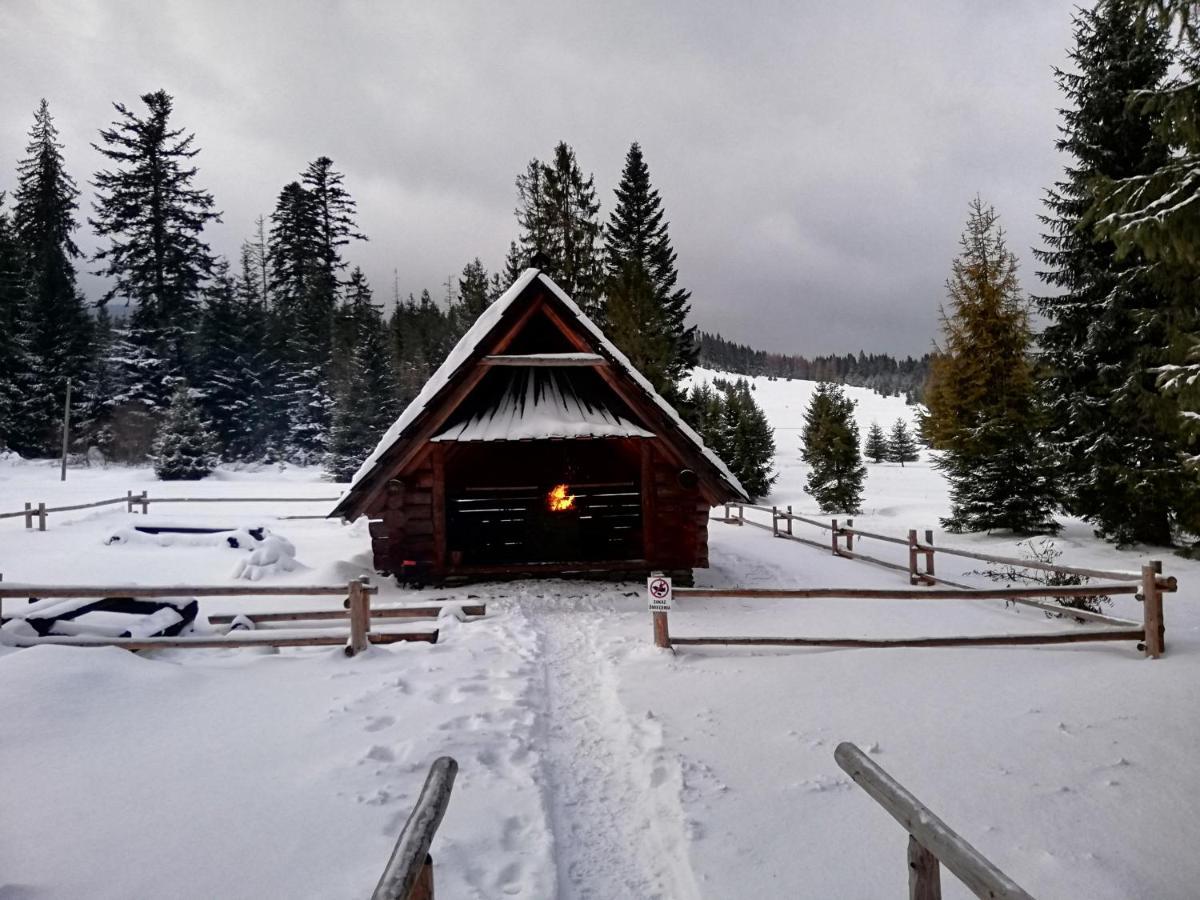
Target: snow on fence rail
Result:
[40, 510]
[930, 840]
[408, 874]
[356, 638]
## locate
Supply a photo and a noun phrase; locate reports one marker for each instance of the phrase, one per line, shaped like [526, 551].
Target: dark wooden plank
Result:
[1060, 637]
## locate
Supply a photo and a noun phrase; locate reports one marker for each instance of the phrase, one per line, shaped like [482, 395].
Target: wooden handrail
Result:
[930, 833]
[1084, 590]
[410, 866]
[41, 591]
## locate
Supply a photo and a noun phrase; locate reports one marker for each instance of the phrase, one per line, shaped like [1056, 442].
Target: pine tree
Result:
[558, 214]
[831, 442]
[15, 368]
[901, 446]
[748, 441]
[94, 427]
[474, 295]
[153, 218]
[983, 414]
[366, 401]
[638, 234]
[56, 329]
[1115, 440]
[186, 448]
[876, 448]
[637, 324]
[705, 408]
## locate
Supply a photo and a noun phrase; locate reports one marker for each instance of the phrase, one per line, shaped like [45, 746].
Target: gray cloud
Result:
[815, 159]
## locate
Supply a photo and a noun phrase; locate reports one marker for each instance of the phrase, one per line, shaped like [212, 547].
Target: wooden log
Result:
[924, 874]
[970, 866]
[1152, 610]
[386, 612]
[789, 519]
[146, 504]
[996, 640]
[555, 360]
[848, 531]
[880, 537]
[411, 854]
[1115, 575]
[377, 528]
[20, 589]
[216, 643]
[145, 500]
[1071, 612]
[41, 513]
[929, 553]
[28, 515]
[662, 632]
[360, 618]
[833, 537]
[129, 502]
[649, 500]
[1083, 590]
[775, 521]
[912, 556]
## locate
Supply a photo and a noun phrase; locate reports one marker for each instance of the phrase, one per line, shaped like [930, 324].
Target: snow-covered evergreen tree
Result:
[983, 413]
[637, 233]
[186, 449]
[474, 295]
[747, 441]
[1116, 443]
[56, 329]
[637, 324]
[94, 426]
[831, 449]
[15, 368]
[876, 447]
[901, 445]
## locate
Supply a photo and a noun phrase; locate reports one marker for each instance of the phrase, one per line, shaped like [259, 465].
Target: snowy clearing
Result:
[592, 765]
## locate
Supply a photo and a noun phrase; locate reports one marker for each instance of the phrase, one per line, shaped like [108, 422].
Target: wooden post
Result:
[726, 513]
[912, 556]
[129, 502]
[360, 617]
[929, 553]
[423, 889]
[42, 516]
[789, 521]
[28, 515]
[1152, 610]
[662, 634]
[833, 537]
[924, 874]
[850, 537]
[145, 504]
[741, 514]
[775, 521]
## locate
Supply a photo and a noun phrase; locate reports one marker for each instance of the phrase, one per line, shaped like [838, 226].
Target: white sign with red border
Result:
[659, 593]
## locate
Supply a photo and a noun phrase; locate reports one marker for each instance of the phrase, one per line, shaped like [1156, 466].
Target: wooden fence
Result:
[931, 842]
[39, 511]
[356, 638]
[409, 872]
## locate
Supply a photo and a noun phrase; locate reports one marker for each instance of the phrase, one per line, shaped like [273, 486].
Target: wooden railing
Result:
[409, 872]
[356, 639]
[931, 842]
[39, 511]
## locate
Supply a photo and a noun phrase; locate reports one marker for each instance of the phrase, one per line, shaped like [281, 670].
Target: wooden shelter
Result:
[537, 448]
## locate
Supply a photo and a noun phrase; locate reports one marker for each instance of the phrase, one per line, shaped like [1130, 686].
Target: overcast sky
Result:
[815, 158]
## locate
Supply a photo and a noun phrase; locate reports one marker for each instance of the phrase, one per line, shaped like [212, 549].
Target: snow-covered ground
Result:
[593, 765]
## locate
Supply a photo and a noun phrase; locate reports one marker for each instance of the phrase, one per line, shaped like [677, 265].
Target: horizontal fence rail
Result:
[357, 638]
[37, 512]
[408, 874]
[931, 841]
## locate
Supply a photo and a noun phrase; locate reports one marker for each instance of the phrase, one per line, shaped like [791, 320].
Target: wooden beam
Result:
[393, 612]
[215, 643]
[648, 492]
[912, 593]
[410, 857]
[924, 874]
[439, 508]
[999, 640]
[539, 360]
[41, 591]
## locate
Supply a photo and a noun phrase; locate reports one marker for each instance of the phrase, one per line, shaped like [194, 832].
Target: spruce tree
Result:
[831, 442]
[876, 448]
[15, 368]
[983, 414]
[56, 328]
[94, 426]
[1115, 440]
[186, 448]
[901, 446]
[474, 295]
[747, 441]
[153, 217]
[558, 214]
[366, 396]
[637, 233]
[637, 324]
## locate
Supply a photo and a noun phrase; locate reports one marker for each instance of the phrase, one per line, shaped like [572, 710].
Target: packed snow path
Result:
[612, 795]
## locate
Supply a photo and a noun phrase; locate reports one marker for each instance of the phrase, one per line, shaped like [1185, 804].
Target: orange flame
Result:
[558, 500]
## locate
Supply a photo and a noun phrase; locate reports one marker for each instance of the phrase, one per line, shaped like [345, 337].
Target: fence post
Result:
[833, 537]
[789, 520]
[145, 504]
[28, 515]
[726, 519]
[741, 514]
[129, 502]
[775, 521]
[912, 556]
[924, 875]
[42, 516]
[662, 632]
[360, 617]
[849, 537]
[929, 553]
[1152, 610]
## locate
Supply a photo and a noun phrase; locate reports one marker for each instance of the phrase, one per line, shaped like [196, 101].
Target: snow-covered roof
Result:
[469, 343]
[538, 404]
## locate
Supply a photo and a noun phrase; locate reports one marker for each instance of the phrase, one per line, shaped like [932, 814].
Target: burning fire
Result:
[558, 500]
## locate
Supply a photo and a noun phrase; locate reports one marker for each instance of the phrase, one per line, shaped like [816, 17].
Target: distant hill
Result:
[884, 374]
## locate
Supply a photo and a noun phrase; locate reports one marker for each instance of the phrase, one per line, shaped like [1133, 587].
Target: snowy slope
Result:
[593, 765]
